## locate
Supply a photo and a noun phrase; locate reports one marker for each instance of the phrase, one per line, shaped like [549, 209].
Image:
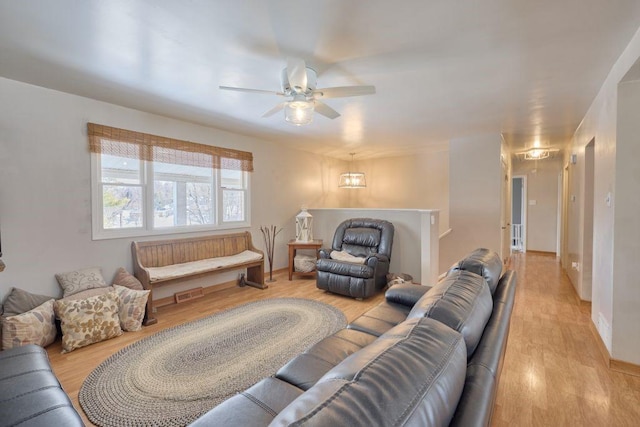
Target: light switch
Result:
[608, 199]
[532, 202]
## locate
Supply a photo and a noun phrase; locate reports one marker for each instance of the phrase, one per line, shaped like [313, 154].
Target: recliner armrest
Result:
[324, 253]
[373, 259]
[406, 294]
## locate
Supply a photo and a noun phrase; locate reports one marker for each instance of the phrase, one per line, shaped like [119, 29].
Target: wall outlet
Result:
[575, 265]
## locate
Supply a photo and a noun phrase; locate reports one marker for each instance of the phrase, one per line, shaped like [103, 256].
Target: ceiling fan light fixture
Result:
[299, 111]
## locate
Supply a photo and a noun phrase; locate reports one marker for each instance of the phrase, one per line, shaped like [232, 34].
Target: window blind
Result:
[143, 146]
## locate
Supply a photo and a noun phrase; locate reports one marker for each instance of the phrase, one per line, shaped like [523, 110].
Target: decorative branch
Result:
[269, 233]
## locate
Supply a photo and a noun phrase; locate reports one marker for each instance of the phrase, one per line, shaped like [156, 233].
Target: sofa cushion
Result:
[307, 368]
[482, 262]
[31, 394]
[461, 301]
[406, 294]
[256, 406]
[194, 267]
[420, 363]
[345, 268]
[380, 318]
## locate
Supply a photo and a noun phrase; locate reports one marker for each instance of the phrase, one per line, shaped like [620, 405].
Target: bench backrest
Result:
[160, 253]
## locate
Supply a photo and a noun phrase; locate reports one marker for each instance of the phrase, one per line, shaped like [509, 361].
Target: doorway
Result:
[519, 213]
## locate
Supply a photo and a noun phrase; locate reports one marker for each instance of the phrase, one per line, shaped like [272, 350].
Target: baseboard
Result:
[543, 253]
[625, 367]
[600, 344]
[613, 364]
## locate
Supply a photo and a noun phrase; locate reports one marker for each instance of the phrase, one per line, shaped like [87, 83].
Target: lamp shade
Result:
[299, 111]
[352, 180]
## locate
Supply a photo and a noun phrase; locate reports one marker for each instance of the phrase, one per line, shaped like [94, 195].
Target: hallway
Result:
[554, 374]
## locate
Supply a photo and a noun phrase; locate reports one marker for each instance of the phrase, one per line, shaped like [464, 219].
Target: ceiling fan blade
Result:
[325, 110]
[274, 110]
[343, 91]
[297, 75]
[242, 89]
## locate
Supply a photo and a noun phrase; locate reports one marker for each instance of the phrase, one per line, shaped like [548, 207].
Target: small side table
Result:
[294, 245]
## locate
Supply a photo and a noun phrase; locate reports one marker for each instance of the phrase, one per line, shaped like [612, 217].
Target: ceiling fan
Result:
[299, 84]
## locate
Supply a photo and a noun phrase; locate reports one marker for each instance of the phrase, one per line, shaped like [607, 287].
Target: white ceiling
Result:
[443, 69]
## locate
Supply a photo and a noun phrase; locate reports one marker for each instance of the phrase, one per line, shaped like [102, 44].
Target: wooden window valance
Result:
[144, 146]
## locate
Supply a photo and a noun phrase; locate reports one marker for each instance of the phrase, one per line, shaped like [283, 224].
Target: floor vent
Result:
[189, 295]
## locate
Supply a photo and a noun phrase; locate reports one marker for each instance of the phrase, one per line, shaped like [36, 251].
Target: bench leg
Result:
[149, 317]
[255, 277]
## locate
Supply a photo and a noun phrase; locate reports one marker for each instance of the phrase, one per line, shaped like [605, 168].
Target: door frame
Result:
[523, 209]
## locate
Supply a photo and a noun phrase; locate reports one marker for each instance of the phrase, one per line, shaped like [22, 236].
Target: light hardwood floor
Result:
[553, 373]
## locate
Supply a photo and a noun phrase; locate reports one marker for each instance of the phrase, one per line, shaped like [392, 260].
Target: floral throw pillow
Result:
[132, 307]
[88, 321]
[36, 326]
[126, 279]
[80, 280]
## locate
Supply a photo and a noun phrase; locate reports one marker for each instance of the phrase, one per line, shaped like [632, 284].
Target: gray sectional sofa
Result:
[30, 394]
[426, 356]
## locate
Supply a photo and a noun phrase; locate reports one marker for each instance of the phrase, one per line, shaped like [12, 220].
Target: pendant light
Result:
[352, 179]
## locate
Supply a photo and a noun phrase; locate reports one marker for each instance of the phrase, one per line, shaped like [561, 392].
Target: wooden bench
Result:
[161, 262]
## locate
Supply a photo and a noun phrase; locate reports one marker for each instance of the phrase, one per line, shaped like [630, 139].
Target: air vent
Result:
[189, 295]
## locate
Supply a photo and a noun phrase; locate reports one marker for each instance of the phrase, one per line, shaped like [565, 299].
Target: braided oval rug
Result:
[173, 377]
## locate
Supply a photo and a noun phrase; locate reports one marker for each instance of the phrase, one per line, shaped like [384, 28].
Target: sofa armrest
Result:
[406, 294]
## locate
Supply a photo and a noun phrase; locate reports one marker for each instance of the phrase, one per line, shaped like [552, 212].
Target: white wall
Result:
[475, 183]
[626, 292]
[419, 181]
[600, 122]
[542, 187]
[45, 211]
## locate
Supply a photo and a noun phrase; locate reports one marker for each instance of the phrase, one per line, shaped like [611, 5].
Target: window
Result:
[144, 185]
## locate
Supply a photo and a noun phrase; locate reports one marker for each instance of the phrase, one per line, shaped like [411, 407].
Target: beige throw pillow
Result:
[36, 326]
[88, 321]
[126, 279]
[19, 301]
[345, 256]
[132, 307]
[73, 282]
